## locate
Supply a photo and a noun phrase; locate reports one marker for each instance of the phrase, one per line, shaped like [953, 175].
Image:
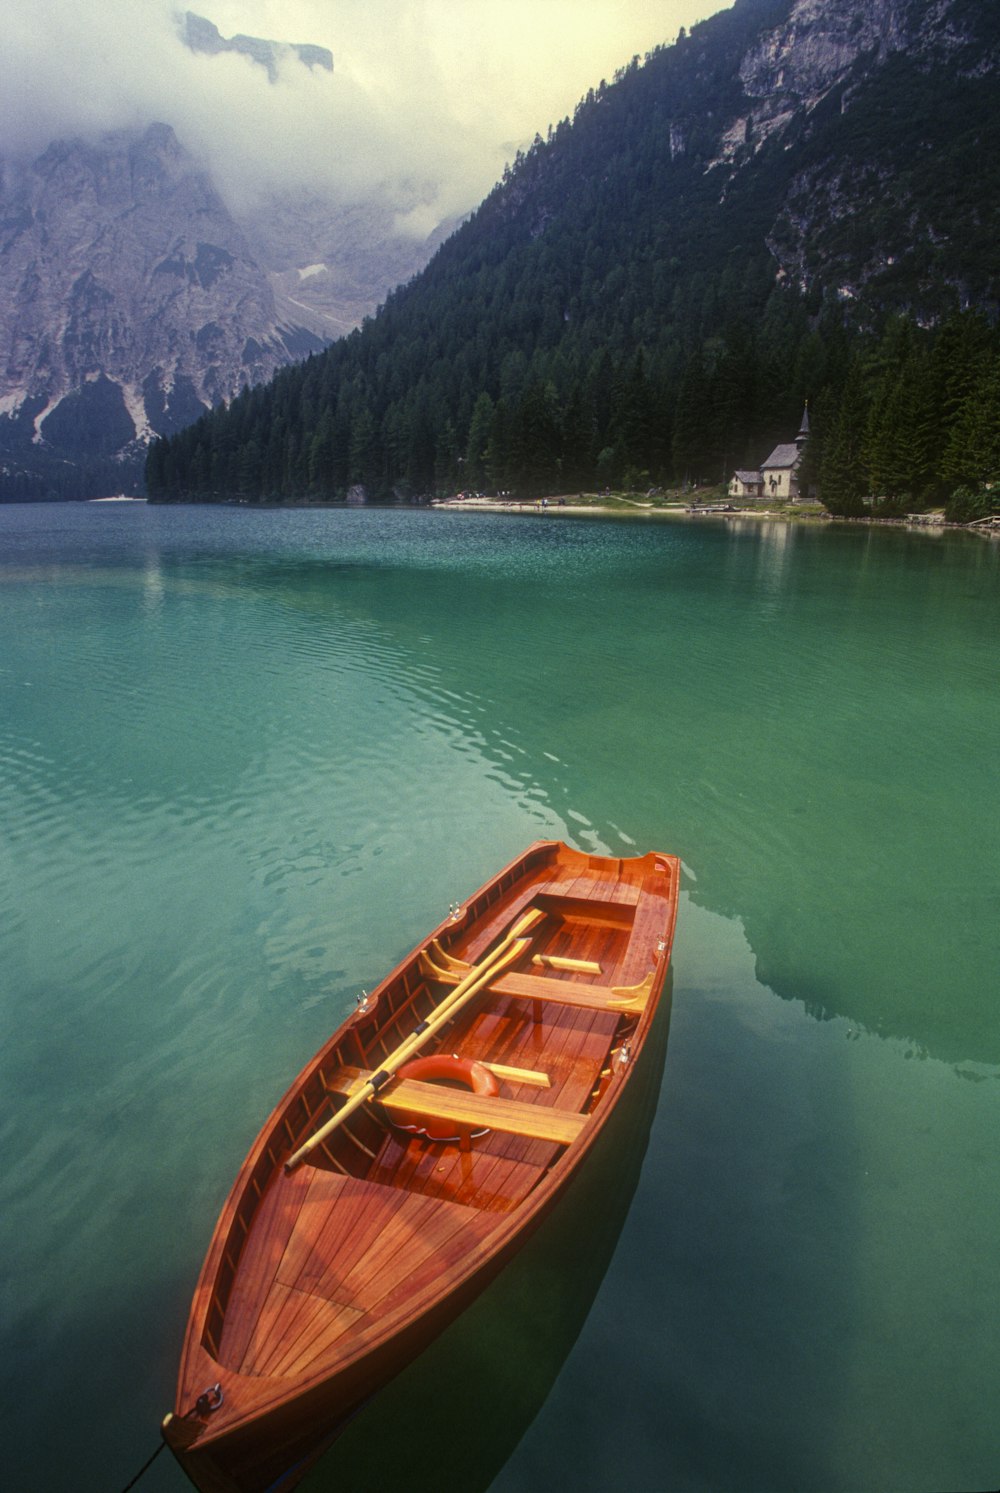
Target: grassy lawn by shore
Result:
[694, 501]
[698, 502]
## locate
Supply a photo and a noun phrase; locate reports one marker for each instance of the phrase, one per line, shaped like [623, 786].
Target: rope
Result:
[210, 1399]
[145, 1467]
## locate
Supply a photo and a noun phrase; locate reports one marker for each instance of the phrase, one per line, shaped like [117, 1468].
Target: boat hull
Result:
[331, 1269]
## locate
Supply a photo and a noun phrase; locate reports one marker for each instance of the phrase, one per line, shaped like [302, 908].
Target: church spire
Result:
[803, 434]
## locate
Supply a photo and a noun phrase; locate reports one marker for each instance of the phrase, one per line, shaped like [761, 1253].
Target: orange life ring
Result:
[463, 1071]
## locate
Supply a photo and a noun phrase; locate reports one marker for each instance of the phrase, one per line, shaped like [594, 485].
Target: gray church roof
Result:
[747, 477]
[783, 456]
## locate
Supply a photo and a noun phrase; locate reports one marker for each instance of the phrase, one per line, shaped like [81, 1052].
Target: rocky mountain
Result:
[133, 295]
[202, 35]
[873, 101]
[729, 228]
[331, 264]
[129, 300]
[844, 138]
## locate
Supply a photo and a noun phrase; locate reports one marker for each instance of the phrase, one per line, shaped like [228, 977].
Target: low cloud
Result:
[427, 100]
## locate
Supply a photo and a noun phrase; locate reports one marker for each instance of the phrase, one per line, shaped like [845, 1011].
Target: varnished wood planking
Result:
[423, 1230]
[362, 1215]
[496, 921]
[481, 1178]
[258, 1264]
[305, 1328]
[318, 1286]
[651, 916]
[327, 1210]
[511, 903]
[390, 1240]
[292, 1306]
[574, 1051]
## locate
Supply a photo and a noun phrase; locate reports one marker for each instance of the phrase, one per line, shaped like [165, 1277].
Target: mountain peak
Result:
[202, 35]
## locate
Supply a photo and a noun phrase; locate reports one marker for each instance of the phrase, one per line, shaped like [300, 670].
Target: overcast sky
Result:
[430, 97]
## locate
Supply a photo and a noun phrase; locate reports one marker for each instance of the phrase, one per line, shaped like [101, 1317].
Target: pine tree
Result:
[972, 455]
[902, 433]
[692, 430]
[478, 442]
[843, 481]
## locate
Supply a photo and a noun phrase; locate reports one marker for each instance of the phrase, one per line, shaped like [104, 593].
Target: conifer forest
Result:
[612, 316]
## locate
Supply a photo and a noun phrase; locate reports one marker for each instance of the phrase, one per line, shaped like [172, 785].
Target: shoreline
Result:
[539, 508]
[623, 508]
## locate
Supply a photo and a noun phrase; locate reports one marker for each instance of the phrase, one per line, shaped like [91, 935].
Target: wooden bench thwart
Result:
[433, 1102]
[629, 1000]
[571, 993]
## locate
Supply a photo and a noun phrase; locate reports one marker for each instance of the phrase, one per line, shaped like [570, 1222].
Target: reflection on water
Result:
[247, 759]
[776, 699]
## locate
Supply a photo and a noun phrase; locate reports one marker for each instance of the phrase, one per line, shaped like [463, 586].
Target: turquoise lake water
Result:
[248, 758]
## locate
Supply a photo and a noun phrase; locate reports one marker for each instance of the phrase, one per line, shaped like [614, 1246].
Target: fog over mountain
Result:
[427, 101]
[190, 201]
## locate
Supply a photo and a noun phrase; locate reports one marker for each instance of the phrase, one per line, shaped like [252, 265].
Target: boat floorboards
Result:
[329, 1253]
[408, 1101]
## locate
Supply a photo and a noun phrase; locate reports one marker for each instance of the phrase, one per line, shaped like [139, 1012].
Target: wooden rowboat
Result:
[414, 1154]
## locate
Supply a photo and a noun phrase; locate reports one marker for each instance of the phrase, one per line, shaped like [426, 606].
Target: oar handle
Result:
[479, 975]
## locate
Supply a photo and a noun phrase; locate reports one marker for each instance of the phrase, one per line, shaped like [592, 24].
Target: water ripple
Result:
[246, 759]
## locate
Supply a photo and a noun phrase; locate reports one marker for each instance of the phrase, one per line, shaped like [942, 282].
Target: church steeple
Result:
[803, 434]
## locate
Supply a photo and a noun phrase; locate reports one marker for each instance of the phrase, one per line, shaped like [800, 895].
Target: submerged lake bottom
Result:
[248, 758]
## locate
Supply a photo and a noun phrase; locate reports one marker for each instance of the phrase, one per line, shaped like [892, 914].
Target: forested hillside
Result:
[654, 290]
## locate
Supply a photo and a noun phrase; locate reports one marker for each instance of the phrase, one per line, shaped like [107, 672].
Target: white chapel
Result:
[778, 477]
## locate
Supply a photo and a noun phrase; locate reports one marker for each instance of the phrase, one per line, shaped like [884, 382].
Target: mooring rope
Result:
[206, 1404]
[145, 1467]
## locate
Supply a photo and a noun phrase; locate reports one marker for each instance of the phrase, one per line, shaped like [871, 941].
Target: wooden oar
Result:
[473, 984]
[479, 975]
[470, 973]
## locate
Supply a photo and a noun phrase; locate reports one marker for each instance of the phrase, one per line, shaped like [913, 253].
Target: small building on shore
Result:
[744, 484]
[778, 478]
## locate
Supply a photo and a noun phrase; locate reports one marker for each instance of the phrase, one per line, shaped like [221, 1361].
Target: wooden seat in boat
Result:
[431, 1101]
[565, 992]
[573, 993]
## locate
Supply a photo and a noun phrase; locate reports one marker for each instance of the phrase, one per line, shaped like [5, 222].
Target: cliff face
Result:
[855, 140]
[120, 265]
[865, 98]
[129, 302]
[798, 61]
[133, 296]
[823, 45]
